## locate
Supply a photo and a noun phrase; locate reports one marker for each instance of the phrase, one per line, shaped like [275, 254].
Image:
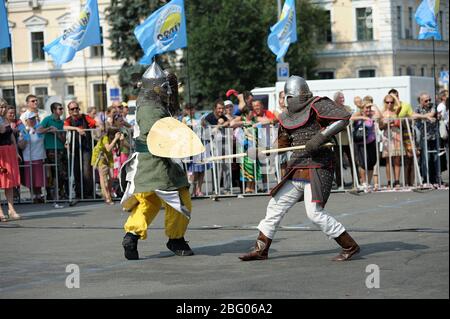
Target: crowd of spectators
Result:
[84, 152]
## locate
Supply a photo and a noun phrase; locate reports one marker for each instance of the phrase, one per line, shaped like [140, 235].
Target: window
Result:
[97, 50]
[410, 70]
[400, 71]
[368, 73]
[409, 29]
[5, 56]
[326, 36]
[422, 71]
[100, 100]
[70, 89]
[8, 95]
[325, 75]
[399, 22]
[441, 24]
[37, 43]
[42, 95]
[364, 24]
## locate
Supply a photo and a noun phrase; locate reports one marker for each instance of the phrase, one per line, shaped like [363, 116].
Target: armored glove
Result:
[315, 143]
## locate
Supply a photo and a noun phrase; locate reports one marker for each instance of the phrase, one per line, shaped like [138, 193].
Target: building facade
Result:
[91, 77]
[378, 38]
[365, 38]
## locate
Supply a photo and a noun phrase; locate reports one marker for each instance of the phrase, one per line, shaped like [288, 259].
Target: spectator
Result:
[366, 149]
[442, 112]
[122, 150]
[357, 101]
[245, 103]
[229, 109]
[392, 150]
[189, 115]
[32, 106]
[80, 124]
[54, 140]
[263, 118]
[219, 122]
[246, 136]
[102, 159]
[15, 124]
[429, 141]
[9, 167]
[406, 113]
[32, 145]
[339, 99]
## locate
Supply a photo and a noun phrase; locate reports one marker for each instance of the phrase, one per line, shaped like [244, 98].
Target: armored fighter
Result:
[151, 181]
[310, 121]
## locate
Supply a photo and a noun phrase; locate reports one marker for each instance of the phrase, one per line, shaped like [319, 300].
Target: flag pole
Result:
[12, 63]
[12, 73]
[188, 77]
[434, 70]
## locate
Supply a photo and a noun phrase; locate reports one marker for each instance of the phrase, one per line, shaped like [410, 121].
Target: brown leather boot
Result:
[350, 247]
[261, 250]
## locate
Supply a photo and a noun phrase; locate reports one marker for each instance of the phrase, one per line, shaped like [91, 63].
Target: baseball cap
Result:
[231, 92]
[29, 115]
[227, 102]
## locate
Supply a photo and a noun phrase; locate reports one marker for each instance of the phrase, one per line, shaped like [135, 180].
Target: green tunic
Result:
[154, 172]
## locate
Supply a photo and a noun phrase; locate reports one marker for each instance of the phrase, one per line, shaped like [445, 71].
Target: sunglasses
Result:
[74, 108]
[389, 102]
[427, 101]
[33, 101]
[60, 109]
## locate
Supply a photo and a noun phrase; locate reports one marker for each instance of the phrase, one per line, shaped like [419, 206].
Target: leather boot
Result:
[261, 250]
[350, 247]
[129, 243]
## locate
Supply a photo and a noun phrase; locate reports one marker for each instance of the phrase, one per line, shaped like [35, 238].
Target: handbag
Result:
[359, 132]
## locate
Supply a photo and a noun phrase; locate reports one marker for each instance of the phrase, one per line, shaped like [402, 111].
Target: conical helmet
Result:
[158, 84]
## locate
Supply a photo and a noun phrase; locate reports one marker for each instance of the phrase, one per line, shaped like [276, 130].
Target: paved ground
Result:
[404, 234]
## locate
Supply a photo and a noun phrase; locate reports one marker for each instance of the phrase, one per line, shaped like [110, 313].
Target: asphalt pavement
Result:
[403, 236]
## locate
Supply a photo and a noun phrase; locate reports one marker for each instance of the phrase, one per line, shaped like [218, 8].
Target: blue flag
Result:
[428, 32]
[284, 32]
[84, 32]
[426, 18]
[426, 13]
[4, 28]
[164, 30]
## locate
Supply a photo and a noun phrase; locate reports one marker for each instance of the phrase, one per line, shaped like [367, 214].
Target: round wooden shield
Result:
[170, 138]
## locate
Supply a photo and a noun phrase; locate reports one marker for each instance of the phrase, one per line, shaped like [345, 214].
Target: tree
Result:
[227, 44]
[123, 17]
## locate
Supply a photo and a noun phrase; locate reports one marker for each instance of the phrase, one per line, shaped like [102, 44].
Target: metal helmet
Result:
[158, 84]
[298, 91]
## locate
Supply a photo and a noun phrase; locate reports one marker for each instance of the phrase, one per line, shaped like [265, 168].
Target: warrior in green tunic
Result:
[150, 181]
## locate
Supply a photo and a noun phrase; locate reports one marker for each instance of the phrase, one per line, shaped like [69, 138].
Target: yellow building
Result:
[36, 23]
[378, 38]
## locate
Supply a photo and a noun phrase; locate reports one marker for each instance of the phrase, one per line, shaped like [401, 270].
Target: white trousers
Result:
[287, 197]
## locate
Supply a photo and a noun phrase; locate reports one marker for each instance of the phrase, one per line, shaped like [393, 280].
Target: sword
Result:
[252, 152]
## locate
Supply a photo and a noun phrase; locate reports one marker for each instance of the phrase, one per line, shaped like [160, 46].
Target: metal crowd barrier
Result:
[220, 177]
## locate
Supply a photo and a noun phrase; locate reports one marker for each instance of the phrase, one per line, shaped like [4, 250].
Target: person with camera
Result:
[102, 159]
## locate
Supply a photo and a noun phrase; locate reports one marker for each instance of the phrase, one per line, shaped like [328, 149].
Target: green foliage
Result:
[227, 44]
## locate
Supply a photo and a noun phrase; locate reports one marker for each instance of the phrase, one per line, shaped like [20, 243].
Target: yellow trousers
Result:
[149, 204]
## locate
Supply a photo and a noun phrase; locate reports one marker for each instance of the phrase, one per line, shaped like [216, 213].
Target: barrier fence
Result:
[402, 155]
